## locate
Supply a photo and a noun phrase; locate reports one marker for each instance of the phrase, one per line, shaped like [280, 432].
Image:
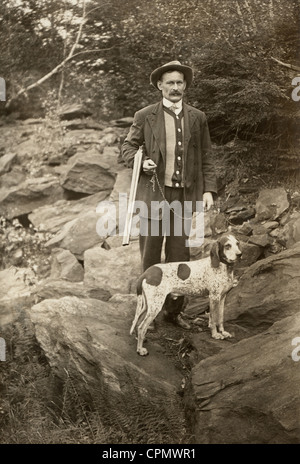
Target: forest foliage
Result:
[245, 55]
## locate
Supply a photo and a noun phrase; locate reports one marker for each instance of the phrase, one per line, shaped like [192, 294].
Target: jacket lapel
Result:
[157, 124]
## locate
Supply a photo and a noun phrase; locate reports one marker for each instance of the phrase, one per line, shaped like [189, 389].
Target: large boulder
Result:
[249, 392]
[73, 111]
[52, 218]
[271, 203]
[116, 270]
[88, 341]
[89, 174]
[52, 288]
[66, 266]
[78, 235]
[31, 194]
[267, 291]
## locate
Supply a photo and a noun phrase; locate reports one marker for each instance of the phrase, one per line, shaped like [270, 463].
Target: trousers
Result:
[175, 246]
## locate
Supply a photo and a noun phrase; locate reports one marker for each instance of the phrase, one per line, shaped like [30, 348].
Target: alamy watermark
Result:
[2, 349]
[2, 89]
[296, 91]
[296, 351]
[163, 215]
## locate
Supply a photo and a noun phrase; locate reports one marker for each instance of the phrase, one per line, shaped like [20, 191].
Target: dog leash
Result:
[154, 180]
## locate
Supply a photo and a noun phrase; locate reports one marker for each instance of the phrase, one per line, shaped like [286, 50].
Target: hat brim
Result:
[185, 70]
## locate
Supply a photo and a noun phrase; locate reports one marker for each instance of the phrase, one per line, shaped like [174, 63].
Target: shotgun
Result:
[133, 187]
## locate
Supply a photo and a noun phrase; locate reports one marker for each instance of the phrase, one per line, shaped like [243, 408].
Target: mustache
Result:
[175, 93]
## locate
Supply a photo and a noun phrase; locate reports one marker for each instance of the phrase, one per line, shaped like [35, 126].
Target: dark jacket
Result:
[148, 129]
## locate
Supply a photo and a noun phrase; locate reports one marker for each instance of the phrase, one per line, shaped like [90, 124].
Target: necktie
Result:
[173, 108]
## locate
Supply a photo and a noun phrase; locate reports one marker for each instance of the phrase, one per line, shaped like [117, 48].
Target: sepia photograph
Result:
[150, 225]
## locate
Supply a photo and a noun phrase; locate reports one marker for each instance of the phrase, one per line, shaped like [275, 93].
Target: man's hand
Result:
[208, 201]
[149, 167]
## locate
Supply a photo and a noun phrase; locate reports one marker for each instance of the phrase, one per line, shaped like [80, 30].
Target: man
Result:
[177, 166]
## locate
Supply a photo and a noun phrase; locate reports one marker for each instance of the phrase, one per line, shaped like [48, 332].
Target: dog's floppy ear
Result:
[214, 255]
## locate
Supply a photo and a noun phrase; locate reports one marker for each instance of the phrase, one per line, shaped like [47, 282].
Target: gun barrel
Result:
[133, 187]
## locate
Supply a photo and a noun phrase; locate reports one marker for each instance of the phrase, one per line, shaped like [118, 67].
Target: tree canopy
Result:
[244, 53]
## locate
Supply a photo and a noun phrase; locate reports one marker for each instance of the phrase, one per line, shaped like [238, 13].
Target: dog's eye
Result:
[227, 247]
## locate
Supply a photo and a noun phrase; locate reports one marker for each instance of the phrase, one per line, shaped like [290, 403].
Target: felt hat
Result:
[169, 67]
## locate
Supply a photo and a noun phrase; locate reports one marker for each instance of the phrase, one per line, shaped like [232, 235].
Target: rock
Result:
[31, 194]
[268, 291]
[241, 216]
[270, 225]
[116, 269]
[250, 254]
[17, 257]
[12, 178]
[78, 235]
[65, 266]
[27, 150]
[109, 139]
[202, 251]
[260, 240]
[258, 229]
[218, 223]
[81, 139]
[271, 203]
[54, 289]
[52, 218]
[249, 392]
[73, 111]
[246, 228]
[15, 293]
[122, 184]
[79, 124]
[88, 340]
[290, 233]
[89, 175]
[6, 162]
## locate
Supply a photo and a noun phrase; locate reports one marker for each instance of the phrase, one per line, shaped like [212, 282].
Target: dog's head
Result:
[225, 250]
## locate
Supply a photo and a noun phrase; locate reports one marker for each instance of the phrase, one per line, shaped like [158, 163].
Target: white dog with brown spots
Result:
[213, 274]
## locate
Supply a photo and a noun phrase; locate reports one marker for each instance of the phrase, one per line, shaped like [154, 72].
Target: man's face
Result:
[172, 85]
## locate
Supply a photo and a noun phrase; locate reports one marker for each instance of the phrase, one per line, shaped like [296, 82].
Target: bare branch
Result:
[69, 57]
[91, 51]
[286, 65]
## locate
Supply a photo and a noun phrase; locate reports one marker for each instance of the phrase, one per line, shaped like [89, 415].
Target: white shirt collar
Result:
[168, 104]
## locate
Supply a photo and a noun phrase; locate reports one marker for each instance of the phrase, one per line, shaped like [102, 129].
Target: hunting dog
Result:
[213, 275]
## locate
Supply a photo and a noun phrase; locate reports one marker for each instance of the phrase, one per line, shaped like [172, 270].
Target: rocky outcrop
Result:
[267, 291]
[271, 203]
[66, 266]
[249, 392]
[116, 269]
[78, 235]
[89, 341]
[73, 111]
[52, 218]
[88, 175]
[31, 194]
[52, 288]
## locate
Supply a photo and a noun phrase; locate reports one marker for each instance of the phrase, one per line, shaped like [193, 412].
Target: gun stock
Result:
[133, 187]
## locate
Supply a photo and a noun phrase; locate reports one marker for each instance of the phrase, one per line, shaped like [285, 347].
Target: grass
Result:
[37, 408]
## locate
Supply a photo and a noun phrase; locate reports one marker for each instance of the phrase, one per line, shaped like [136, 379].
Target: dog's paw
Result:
[142, 352]
[226, 334]
[217, 336]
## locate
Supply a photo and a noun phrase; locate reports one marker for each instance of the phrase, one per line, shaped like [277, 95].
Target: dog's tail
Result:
[140, 309]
